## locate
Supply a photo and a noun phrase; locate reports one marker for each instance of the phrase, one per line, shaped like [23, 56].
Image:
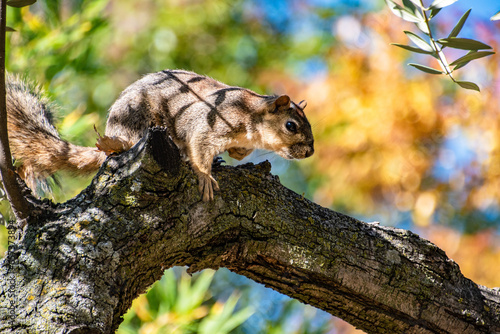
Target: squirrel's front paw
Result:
[207, 185]
[238, 153]
[218, 161]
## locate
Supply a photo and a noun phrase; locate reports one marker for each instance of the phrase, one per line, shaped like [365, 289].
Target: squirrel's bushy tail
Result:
[35, 144]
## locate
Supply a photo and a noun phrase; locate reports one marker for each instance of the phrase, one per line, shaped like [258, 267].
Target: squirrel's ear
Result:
[302, 104]
[282, 102]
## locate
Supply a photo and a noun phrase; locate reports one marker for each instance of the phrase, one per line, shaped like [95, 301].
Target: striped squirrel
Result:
[203, 117]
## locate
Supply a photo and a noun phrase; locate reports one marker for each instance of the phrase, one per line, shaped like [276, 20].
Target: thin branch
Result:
[9, 177]
[439, 50]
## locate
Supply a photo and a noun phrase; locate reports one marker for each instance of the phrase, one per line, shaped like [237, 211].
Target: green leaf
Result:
[409, 6]
[495, 17]
[460, 66]
[460, 24]
[224, 322]
[441, 3]
[471, 56]
[168, 289]
[468, 85]
[423, 27]
[421, 43]
[416, 3]
[464, 63]
[191, 296]
[426, 69]
[237, 319]
[20, 3]
[200, 287]
[413, 49]
[434, 12]
[403, 13]
[463, 43]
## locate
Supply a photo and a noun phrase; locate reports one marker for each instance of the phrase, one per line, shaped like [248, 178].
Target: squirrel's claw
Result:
[217, 162]
[207, 185]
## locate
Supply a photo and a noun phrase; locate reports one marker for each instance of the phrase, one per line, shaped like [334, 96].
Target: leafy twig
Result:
[416, 12]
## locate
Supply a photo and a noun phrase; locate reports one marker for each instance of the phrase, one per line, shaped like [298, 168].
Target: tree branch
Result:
[78, 265]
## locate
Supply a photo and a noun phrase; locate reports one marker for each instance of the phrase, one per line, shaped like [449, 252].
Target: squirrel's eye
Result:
[291, 126]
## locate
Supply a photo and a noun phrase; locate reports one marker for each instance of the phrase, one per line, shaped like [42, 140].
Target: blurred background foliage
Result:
[176, 305]
[392, 144]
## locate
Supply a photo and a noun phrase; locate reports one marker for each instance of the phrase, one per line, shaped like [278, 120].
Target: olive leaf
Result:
[463, 43]
[415, 2]
[471, 56]
[421, 43]
[495, 17]
[410, 6]
[458, 27]
[20, 3]
[402, 12]
[434, 12]
[422, 26]
[426, 69]
[441, 3]
[413, 49]
[468, 85]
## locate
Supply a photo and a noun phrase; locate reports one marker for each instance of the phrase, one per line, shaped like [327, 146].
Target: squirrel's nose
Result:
[309, 152]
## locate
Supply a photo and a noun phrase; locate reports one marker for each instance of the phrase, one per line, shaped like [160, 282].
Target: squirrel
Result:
[203, 117]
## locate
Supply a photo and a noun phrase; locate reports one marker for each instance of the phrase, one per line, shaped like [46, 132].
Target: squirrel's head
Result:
[286, 129]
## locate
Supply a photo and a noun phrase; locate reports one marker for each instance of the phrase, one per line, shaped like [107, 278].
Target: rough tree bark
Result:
[77, 266]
